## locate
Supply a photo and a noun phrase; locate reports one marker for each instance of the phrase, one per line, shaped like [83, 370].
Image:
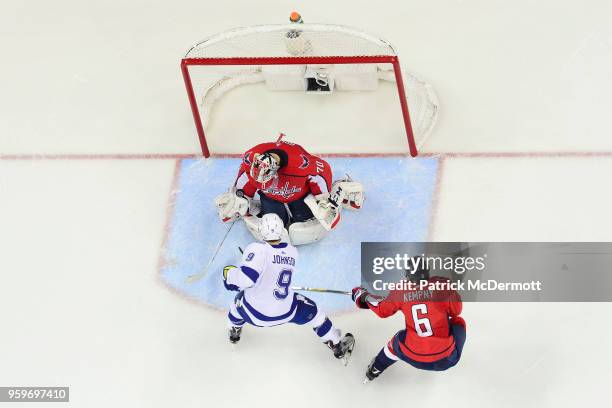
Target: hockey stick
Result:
[338, 292]
[198, 276]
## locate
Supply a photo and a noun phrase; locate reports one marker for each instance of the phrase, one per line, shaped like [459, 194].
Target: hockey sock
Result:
[327, 332]
[382, 361]
[234, 320]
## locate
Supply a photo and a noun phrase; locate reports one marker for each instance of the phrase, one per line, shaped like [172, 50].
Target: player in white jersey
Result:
[265, 297]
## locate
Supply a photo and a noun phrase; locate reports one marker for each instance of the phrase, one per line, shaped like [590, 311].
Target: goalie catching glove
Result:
[232, 205]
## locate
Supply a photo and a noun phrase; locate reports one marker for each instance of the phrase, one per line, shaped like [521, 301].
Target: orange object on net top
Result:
[295, 17]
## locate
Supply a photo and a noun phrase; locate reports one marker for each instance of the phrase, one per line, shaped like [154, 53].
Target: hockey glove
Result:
[347, 193]
[229, 286]
[358, 295]
[324, 210]
[232, 205]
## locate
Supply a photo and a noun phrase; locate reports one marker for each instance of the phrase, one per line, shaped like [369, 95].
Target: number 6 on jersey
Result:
[421, 325]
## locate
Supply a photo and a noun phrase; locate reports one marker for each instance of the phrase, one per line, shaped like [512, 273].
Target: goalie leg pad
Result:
[254, 206]
[252, 224]
[301, 233]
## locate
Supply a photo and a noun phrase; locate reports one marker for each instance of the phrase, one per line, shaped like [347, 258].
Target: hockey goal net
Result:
[310, 58]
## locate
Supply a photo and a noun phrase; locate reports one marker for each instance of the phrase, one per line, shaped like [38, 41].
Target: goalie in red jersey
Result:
[283, 178]
[435, 333]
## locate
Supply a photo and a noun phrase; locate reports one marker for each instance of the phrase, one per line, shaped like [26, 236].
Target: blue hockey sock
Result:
[382, 362]
[234, 320]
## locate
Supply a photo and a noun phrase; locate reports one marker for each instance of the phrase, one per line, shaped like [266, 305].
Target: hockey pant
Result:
[295, 211]
[392, 352]
[304, 311]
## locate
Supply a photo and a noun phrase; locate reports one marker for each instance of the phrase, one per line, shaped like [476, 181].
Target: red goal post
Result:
[313, 65]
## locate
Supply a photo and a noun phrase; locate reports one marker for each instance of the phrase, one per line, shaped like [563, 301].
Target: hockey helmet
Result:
[271, 227]
[264, 167]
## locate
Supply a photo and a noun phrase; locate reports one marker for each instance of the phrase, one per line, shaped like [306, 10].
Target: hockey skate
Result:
[371, 373]
[344, 348]
[234, 334]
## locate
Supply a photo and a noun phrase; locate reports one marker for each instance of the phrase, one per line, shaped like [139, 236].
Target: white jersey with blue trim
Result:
[265, 276]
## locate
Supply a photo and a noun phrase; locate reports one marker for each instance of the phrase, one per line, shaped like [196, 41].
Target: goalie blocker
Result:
[326, 207]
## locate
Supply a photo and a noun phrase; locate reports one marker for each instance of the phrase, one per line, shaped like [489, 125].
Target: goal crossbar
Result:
[297, 60]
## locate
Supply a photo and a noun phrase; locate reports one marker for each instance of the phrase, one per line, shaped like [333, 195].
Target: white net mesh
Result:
[211, 82]
[272, 41]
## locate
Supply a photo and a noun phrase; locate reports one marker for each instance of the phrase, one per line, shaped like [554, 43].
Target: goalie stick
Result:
[322, 290]
[198, 276]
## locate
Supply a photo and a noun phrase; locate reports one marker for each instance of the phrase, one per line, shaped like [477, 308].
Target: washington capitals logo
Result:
[284, 191]
[305, 162]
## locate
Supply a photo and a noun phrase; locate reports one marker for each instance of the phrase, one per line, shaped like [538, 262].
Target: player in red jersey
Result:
[283, 178]
[435, 333]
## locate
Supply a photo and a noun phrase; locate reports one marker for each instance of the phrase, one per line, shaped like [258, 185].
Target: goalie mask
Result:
[264, 167]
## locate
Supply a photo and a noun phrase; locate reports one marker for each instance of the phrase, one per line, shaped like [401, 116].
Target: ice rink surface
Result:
[194, 231]
[95, 135]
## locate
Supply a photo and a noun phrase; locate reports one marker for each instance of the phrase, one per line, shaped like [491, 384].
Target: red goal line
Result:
[180, 156]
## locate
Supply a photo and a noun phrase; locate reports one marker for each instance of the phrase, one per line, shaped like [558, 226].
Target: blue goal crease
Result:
[399, 193]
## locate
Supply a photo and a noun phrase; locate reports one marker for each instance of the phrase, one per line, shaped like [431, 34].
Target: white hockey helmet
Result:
[271, 227]
[264, 167]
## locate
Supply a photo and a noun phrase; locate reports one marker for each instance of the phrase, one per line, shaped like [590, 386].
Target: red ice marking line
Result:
[162, 261]
[112, 156]
[170, 206]
[489, 155]
[178, 156]
[453, 155]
